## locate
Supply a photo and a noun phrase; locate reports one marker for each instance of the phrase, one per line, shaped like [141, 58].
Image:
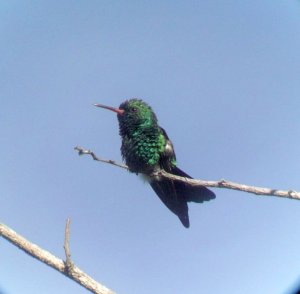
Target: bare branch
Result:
[234, 186]
[82, 151]
[49, 259]
[68, 262]
[291, 194]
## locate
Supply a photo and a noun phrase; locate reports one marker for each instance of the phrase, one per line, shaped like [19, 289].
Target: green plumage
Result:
[143, 141]
[146, 148]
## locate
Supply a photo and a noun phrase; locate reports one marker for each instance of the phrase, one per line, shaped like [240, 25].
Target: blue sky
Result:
[223, 79]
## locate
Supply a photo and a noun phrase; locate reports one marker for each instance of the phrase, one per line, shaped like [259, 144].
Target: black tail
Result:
[175, 195]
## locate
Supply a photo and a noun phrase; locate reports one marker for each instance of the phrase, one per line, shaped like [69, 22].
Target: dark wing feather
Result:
[165, 190]
[175, 194]
[192, 193]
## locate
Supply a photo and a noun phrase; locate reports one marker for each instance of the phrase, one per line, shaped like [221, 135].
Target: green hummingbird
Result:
[146, 148]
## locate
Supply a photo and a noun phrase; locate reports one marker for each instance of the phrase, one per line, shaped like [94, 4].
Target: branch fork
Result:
[65, 267]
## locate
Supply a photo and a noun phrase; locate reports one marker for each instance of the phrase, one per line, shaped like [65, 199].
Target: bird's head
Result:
[133, 114]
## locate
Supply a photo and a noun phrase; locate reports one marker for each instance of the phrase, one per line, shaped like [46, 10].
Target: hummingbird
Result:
[146, 149]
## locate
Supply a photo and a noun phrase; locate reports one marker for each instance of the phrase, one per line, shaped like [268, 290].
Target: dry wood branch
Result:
[46, 257]
[68, 262]
[291, 194]
[82, 151]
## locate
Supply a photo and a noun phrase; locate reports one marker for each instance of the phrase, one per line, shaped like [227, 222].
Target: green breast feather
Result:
[143, 151]
[149, 149]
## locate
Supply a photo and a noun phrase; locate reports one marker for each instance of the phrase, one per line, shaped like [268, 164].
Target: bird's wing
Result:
[165, 190]
[168, 157]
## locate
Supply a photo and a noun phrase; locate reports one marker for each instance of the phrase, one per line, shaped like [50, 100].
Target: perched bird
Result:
[146, 148]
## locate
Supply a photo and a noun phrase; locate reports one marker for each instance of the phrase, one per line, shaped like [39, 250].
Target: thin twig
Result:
[49, 259]
[68, 262]
[291, 194]
[82, 151]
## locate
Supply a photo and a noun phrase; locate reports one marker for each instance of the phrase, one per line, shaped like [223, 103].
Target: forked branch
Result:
[65, 267]
[291, 194]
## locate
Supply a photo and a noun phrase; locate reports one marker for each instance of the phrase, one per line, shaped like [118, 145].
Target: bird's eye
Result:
[134, 109]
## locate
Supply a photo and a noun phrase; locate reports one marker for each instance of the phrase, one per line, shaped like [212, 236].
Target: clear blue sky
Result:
[223, 78]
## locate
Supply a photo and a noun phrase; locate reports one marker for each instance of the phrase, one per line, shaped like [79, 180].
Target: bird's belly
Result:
[138, 165]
